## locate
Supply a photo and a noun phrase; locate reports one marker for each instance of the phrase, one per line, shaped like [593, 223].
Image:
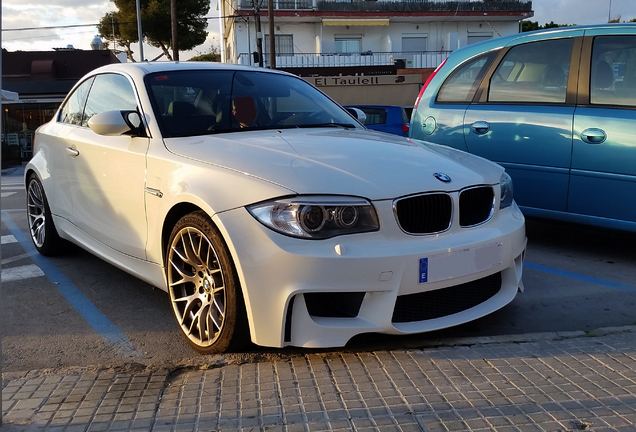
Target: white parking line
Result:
[6, 239]
[21, 272]
[7, 194]
[6, 261]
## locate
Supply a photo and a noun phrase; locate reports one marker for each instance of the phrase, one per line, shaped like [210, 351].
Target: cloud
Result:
[582, 11]
[41, 15]
[27, 27]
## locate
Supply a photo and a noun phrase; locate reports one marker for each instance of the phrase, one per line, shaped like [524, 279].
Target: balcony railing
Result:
[278, 4]
[395, 5]
[407, 59]
[424, 6]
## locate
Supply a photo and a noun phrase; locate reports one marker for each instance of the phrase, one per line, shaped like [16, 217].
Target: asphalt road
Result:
[575, 278]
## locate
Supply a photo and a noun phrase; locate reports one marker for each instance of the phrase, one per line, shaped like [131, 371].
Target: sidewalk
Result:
[541, 382]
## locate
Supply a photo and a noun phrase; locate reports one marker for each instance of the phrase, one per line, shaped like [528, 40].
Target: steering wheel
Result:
[277, 120]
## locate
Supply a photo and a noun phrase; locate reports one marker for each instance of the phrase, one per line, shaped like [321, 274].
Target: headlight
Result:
[506, 191]
[317, 217]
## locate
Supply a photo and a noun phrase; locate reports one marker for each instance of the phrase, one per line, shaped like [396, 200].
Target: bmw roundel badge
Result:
[442, 177]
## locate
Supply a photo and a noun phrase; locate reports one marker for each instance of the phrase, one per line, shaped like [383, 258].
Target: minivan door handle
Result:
[480, 127]
[594, 136]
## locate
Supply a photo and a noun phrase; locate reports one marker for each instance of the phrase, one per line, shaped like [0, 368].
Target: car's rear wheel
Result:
[204, 288]
[41, 226]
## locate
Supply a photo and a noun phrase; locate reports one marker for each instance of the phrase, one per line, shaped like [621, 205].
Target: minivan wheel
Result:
[204, 289]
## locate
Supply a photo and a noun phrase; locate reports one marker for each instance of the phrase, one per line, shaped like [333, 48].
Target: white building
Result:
[402, 33]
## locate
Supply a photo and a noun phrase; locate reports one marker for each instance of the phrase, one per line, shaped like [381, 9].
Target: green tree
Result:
[118, 28]
[213, 55]
[210, 57]
[528, 25]
[156, 25]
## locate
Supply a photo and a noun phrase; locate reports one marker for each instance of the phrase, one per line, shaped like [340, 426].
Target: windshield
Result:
[198, 102]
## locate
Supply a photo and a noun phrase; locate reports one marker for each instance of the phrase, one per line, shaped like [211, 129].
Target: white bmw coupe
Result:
[267, 211]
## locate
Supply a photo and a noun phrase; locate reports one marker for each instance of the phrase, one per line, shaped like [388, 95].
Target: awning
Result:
[9, 95]
[355, 22]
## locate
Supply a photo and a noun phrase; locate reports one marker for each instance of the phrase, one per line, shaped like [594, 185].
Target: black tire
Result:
[204, 288]
[41, 226]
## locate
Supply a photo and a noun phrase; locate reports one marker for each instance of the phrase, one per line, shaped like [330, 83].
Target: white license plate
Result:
[460, 262]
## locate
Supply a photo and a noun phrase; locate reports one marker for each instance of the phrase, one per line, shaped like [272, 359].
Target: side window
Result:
[613, 71]
[374, 116]
[73, 110]
[110, 92]
[533, 72]
[461, 85]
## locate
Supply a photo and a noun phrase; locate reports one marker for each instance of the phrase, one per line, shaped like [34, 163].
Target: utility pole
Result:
[259, 33]
[272, 38]
[139, 32]
[175, 35]
[1, 329]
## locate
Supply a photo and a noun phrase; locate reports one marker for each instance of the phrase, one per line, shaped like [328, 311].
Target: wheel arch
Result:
[172, 217]
[182, 209]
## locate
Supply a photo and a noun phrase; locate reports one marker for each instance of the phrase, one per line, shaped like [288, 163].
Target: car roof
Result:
[379, 106]
[534, 35]
[146, 67]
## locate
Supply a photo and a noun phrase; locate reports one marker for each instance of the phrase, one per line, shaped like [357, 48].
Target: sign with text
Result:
[363, 80]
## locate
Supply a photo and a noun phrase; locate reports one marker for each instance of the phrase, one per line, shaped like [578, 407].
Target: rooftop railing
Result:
[395, 5]
[424, 6]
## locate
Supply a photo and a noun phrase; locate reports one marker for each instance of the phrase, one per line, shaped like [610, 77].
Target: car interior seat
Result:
[602, 80]
[223, 110]
[553, 77]
[181, 109]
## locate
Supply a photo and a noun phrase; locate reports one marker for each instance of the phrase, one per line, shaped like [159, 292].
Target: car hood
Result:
[339, 161]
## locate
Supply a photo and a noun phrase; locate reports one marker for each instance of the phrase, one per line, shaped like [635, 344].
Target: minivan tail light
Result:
[405, 127]
[417, 101]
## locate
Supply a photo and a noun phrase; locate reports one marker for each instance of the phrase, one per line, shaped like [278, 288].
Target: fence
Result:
[410, 59]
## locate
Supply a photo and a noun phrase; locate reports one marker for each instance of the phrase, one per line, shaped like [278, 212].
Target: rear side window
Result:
[533, 72]
[613, 71]
[406, 114]
[461, 85]
[374, 116]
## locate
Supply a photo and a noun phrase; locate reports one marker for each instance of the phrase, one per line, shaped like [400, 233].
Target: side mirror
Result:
[115, 123]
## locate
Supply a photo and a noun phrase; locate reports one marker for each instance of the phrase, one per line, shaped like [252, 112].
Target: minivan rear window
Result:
[461, 85]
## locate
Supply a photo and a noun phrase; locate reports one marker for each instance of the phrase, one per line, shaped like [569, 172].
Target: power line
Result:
[23, 38]
[86, 25]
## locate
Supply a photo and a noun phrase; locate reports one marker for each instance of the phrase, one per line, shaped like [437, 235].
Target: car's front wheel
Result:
[41, 226]
[204, 288]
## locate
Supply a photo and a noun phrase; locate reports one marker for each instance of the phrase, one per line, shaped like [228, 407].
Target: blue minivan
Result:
[386, 118]
[556, 108]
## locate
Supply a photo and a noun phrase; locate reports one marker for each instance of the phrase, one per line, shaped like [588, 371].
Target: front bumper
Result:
[276, 272]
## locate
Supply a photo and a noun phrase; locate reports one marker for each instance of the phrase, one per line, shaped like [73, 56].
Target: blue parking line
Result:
[93, 316]
[580, 277]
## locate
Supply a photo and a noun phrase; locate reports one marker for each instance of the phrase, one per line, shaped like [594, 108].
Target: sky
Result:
[40, 14]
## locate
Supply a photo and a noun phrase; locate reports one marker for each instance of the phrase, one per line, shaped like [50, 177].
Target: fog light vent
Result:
[334, 305]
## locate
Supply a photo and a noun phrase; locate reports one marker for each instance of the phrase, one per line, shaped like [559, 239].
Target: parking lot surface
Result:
[562, 356]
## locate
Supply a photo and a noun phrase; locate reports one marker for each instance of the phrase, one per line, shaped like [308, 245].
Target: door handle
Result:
[72, 151]
[480, 127]
[593, 136]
